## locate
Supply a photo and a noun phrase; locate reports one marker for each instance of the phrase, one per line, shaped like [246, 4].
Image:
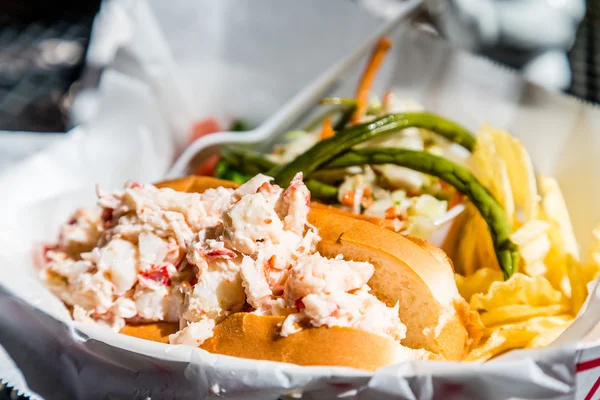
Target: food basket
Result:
[172, 65]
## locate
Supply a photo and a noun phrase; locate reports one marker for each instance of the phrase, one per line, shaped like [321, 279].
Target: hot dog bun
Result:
[257, 337]
[155, 331]
[409, 270]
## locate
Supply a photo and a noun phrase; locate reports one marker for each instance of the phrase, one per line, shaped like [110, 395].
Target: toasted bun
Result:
[382, 222]
[195, 184]
[155, 331]
[411, 271]
[257, 337]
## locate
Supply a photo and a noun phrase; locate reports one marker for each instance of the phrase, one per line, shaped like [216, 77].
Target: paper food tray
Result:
[133, 136]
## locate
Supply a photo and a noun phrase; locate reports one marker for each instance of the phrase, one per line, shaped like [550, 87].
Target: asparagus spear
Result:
[321, 156]
[345, 139]
[247, 157]
[322, 191]
[239, 165]
[455, 175]
[224, 170]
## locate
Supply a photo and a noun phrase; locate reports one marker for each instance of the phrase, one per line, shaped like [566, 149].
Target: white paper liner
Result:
[128, 140]
[16, 146]
[234, 59]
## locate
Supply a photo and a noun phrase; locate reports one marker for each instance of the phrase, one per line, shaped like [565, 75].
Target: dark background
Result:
[42, 48]
[43, 43]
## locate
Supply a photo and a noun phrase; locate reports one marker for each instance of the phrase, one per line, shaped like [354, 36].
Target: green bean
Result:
[236, 164]
[251, 156]
[327, 149]
[230, 157]
[344, 119]
[238, 177]
[321, 191]
[221, 169]
[224, 170]
[330, 176]
[456, 175]
[247, 161]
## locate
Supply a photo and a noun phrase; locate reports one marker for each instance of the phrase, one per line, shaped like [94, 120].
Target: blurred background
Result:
[43, 46]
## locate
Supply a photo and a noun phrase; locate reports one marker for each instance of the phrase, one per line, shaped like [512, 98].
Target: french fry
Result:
[368, 77]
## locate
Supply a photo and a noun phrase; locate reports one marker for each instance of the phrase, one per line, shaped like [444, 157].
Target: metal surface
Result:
[585, 56]
[39, 61]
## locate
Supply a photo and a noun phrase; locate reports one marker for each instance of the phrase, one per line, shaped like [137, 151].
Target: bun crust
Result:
[154, 331]
[414, 272]
[411, 271]
[257, 337]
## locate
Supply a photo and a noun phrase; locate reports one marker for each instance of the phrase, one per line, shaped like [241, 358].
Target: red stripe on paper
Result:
[584, 366]
[593, 390]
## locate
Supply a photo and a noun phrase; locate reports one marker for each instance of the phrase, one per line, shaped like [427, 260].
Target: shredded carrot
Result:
[366, 81]
[367, 202]
[367, 198]
[444, 185]
[391, 213]
[386, 99]
[327, 130]
[456, 199]
[348, 199]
